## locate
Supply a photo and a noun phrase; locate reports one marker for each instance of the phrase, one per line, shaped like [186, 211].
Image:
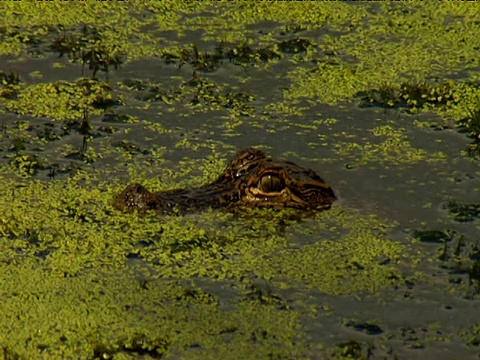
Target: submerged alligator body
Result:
[251, 180]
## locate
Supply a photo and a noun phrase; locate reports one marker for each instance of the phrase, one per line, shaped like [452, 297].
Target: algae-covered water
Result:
[382, 100]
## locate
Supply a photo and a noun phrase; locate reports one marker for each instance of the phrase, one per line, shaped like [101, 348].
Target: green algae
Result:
[90, 282]
[240, 17]
[394, 149]
[92, 315]
[345, 63]
[67, 254]
[62, 100]
[411, 30]
[68, 217]
[410, 27]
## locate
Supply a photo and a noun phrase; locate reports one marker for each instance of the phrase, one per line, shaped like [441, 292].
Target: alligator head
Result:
[251, 179]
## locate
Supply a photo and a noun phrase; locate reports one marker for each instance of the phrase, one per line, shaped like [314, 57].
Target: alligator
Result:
[250, 180]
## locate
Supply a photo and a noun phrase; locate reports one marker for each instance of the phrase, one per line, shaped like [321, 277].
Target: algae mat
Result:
[380, 99]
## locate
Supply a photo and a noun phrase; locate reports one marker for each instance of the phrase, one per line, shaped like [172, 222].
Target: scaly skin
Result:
[251, 179]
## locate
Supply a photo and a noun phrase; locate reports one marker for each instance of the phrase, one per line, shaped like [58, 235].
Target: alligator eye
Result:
[271, 183]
